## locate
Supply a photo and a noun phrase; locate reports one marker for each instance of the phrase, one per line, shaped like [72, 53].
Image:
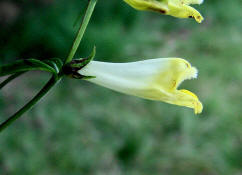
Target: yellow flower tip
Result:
[176, 8]
[178, 71]
[194, 13]
[199, 19]
[193, 101]
[197, 16]
[184, 11]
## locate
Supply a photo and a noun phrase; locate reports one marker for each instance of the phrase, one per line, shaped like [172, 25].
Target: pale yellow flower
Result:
[176, 8]
[154, 79]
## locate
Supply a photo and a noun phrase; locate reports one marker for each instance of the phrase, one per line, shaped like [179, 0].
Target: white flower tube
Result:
[154, 79]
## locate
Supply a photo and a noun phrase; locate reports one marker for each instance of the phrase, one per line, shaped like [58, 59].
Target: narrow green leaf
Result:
[25, 65]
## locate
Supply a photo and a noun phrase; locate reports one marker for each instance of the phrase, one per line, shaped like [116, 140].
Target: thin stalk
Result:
[51, 83]
[30, 104]
[10, 78]
[82, 29]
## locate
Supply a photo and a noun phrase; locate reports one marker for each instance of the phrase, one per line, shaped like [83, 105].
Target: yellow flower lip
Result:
[197, 16]
[176, 8]
[198, 107]
[177, 71]
[199, 19]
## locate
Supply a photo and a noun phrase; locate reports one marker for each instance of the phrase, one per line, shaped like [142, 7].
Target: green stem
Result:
[30, 104]
[82, 29]
[54, 79]
[10, 78]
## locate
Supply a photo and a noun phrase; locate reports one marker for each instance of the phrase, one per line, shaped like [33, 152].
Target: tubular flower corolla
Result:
[154, 79]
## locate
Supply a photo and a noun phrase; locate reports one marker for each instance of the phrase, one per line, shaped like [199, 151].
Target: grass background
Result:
[81, 128]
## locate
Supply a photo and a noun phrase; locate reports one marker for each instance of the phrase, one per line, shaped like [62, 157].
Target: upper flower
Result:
[154, 79]
[176, 8]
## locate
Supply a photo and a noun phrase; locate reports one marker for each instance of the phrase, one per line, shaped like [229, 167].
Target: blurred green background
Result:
[81, 128]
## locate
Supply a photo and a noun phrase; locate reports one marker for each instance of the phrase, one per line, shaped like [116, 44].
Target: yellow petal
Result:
[184, 11]
[165, 84]
[195, 103]
[176, 8]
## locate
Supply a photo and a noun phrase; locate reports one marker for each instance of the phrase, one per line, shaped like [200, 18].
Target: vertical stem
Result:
[54, 80]
[30, 104]
[82, 29]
